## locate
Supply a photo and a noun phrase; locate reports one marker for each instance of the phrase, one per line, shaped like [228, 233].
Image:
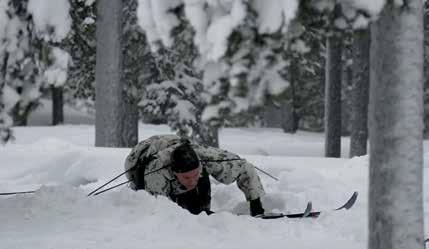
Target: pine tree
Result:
[81, 45]
[23, 62]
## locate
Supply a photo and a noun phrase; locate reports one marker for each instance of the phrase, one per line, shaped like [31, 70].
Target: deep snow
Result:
[62, 164]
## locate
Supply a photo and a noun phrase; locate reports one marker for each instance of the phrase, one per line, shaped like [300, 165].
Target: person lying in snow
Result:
[171, 166]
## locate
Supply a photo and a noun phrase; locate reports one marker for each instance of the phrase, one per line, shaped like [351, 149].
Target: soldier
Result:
[174, 167]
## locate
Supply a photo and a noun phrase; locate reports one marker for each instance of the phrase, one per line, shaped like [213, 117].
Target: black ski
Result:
[308, 213]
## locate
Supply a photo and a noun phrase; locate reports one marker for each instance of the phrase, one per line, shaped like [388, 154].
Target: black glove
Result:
[256, 207]
[138, 177]
[209, 212]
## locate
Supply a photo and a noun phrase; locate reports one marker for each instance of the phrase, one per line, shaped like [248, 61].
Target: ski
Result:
[308, 213]
[17, 193]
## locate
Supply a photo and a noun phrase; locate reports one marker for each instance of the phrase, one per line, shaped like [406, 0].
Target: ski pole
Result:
[116, 177]
[120, 184]
[267, 173]
[153, 171]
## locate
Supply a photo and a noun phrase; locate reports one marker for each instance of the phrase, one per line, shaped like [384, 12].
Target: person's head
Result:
[186, 166]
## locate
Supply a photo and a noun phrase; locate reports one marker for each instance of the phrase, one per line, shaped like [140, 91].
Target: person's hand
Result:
[138, 177]
[256, 207]
[209, 212]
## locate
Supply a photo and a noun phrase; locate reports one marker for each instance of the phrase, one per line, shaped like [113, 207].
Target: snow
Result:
[213, 22]
[361, 23]
[48, 14]
[274, 13]
[10, 97]
[213, 111]
[89, 2]
[63, 166]
[3, 19]
[300, 47]
[56, 74]
[89, 20]
[154, 17]
[183, 110]
[373, 7]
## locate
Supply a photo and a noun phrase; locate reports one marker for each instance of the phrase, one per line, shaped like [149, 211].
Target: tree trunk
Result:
[426, 71]
[396, 125]
[333, 71]
[113, 127]
[289, 118]
[57, 105]
[4, 68]
[346, 83]
[290, 110]
[5, 122]
[272, 114]
[360, 94]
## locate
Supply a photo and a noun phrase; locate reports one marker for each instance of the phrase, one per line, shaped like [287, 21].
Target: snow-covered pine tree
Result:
[231, 88]
[306, 69]
[5, 103]
[55, 76]
[175, 91]
[81, 45]
[27, 27]
[238, 43]
[22, 62]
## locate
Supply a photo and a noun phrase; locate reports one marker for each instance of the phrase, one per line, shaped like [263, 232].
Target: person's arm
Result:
[241, 172]
[134, 172]
[227, 168]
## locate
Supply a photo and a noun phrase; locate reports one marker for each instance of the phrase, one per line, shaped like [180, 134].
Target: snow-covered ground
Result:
[62, 164]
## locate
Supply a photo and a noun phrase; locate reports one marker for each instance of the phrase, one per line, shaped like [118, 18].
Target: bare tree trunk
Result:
[396, 125]
[346, 83]
[360, 94]
[5, 131]
[290, 110]
[426, 71]
[20, 114]
[333, 71]
[289, 118]
[4, 68]
[131, 122]
[57, 105]
[272, 114]
[112, 128]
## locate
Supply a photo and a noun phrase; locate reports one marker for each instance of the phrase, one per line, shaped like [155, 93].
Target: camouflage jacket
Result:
[153, 155]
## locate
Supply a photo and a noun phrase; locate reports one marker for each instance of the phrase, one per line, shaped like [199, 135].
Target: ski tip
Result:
[308, 209]
[350, 202]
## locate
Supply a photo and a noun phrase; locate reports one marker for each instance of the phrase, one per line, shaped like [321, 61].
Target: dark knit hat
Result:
[184, 159]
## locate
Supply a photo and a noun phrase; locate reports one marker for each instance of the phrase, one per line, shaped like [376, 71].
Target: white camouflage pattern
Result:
[222, 165]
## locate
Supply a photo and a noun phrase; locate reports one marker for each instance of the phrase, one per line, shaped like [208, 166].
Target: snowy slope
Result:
[63, 166]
